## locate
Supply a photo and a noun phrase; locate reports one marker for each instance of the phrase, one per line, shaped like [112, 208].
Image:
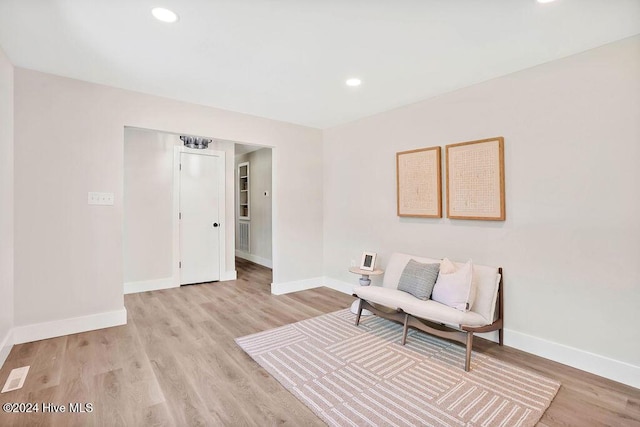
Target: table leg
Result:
[364, 281]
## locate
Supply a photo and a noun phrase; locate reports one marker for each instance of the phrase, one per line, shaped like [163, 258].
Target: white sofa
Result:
[484, 315]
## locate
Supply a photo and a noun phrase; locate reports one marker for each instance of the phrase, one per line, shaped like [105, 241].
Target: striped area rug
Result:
[362, 376]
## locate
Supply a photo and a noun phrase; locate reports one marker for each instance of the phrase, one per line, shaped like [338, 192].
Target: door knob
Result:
[215, 224]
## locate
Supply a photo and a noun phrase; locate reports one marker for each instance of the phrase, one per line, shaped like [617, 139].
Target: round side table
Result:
[364, 281]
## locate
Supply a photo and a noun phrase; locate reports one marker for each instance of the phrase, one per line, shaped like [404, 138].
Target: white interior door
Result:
[200, 217]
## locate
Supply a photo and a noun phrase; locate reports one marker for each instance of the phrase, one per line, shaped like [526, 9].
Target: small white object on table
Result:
[364, 281]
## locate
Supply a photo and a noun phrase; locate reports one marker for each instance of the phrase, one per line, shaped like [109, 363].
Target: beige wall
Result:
[571, 242]
[261, 204]
[148, 204]
[6, 202]
[69, 141]
[260, 162]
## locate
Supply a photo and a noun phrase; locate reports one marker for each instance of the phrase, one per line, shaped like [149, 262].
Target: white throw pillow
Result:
[455, 289]
[447, 267]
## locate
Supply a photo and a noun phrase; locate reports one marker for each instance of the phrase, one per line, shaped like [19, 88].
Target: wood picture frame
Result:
[368, 262]
[475, 180]
[419, 183]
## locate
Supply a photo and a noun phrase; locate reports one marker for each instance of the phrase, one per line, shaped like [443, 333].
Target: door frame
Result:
[177, 151]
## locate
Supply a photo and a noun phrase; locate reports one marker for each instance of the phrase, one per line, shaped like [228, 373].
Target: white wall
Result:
[69, 140]
[571, 242]
[149, 212]
[261, 204]
[6, 205]
[148, 205]
[229, 149]
[260, 166]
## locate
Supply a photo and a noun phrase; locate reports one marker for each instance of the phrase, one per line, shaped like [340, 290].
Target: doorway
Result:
[253, 207]
[151, 234]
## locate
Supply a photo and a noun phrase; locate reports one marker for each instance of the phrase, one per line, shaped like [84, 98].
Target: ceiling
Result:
[288, 59]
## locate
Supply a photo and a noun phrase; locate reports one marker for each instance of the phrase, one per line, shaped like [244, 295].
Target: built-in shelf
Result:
[244, 199]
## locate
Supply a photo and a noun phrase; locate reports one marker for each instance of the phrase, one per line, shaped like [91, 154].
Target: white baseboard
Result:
[74, 325]
[491, 336]
[255, 258]
[301, 285]
[5, 346]
[339, 285]
[228, 275]
[600, 365]
[150, 285]
[295, 286]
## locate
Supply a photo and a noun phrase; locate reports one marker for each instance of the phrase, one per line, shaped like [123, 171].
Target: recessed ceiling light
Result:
[353, 82]
[545, 1]
[164, 15]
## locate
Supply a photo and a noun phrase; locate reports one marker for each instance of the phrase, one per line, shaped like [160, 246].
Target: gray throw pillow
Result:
[418, 279]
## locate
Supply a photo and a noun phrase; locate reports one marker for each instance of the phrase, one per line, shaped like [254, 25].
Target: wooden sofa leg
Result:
[467, 362]
[405, 329]
[501, 336]
[359, 311]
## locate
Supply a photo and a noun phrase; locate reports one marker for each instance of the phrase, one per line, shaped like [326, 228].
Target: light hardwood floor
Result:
[176, 363]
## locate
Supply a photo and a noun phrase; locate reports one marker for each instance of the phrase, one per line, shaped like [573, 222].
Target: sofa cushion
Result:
[455, 289]
[430, 310]
[391, 298]
[486, 281]
[447, 267]
[418, 279]
[396, 266]
[440, 313]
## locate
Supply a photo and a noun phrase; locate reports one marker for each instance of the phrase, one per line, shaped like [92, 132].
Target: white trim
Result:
[254, 258]
[275, 212]
[339, 285]
[74, 325]
[228, 275]
[317, 282]
[584, 360]
[296, 285]
[150, 285]
[491, 336]
[222, 191]
[175, 225]
[5, 347]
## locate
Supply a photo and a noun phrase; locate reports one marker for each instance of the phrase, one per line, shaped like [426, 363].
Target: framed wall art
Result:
[419, 183]
[475, 180]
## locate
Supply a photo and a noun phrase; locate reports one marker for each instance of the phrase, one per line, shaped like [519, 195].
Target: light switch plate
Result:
[102, 199]
[106, 199]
